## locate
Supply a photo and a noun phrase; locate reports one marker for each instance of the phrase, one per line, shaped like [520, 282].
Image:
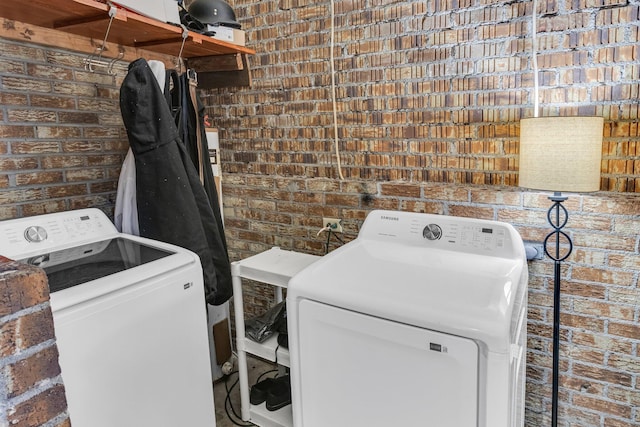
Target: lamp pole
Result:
[557, 217]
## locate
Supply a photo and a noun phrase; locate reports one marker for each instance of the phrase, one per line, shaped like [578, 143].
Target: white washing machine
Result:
[421, 320]
[129, 317]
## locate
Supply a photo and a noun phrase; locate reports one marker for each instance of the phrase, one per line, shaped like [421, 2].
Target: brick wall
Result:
[429, 96]
[428, 91]
[31, 388]
[61, 136]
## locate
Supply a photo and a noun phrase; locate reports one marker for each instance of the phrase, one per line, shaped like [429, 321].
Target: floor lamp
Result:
[559, 154]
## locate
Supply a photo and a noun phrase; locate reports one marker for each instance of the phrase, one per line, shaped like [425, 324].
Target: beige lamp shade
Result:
[561, 153]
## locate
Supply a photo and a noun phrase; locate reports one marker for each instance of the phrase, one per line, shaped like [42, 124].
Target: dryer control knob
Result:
[35, 234]
[432, 232]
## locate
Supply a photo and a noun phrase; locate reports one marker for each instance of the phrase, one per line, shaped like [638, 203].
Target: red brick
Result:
[612, 422]
[40, 408]
[602, 309]
[103, 202]
[78, 117]
[619, 278]
[34, 147]
[40, 116]
[601, 341]
[623, 411]
[602, 374]
[18, 196]
[341, 200]
[495, 197]
[76, 89]
[105, 160]
[103, 187]
[604, 241]
[21, 287]
[64, 423]
[472, 212]
[65, 191]
[400, 190]
[9, 98]
[619, 205]
[26, 84]
[36, 178]
[75, 175]
[625, 330]
[58, 132]
[49, 101]
[8, 212]
[25, 332]
[44, 71]
[18, 163]
[11, 131]
[58, 162]
[423, 207]
[26, 373]
[97, 78]
[45, 207]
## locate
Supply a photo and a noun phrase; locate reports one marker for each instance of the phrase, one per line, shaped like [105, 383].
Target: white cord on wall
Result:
[333, 91]
[534, 58]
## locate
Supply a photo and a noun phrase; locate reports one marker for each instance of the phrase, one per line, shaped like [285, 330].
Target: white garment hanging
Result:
[126, 210]
[126, 213]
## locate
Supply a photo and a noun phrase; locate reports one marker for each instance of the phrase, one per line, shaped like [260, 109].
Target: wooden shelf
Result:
[81, 25]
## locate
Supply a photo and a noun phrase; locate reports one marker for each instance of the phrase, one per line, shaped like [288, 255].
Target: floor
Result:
[225, 418]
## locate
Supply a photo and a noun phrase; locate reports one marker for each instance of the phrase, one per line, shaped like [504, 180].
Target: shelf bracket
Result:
[97, 55]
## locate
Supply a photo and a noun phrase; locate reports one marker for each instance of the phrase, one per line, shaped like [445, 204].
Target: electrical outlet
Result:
[334, 223]
[534, 250]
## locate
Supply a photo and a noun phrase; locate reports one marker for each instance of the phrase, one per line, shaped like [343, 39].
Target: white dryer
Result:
[421, 320]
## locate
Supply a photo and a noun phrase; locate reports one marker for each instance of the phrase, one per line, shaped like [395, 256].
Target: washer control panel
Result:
[26, 235]
[470, 235]
[484, 236]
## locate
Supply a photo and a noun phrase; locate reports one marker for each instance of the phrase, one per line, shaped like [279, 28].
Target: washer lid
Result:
[395, 272]
[74, 266]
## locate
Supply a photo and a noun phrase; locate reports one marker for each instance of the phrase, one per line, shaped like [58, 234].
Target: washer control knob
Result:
[35, 234]
[432, 232]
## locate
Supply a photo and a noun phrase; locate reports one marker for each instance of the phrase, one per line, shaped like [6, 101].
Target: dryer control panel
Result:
[24, 236]
[470, 235]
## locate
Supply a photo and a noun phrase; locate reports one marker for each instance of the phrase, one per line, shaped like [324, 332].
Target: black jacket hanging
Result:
[189, 122]
[172, 204]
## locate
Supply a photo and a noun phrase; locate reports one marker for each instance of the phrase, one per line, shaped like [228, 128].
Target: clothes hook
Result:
[98, 52]
[113, 62]
[185, 34]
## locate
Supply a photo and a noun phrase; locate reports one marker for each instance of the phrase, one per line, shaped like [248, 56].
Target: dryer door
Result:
[357, 370]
